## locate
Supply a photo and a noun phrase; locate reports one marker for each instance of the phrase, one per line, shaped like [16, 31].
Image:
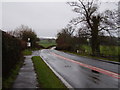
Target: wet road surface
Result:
[82, 72]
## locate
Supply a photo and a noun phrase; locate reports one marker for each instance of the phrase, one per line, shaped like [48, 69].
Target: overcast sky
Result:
[46, 18]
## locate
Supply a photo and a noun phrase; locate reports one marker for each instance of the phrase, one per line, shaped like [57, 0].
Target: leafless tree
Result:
[24, 32]
[65, 38]
[92, 22]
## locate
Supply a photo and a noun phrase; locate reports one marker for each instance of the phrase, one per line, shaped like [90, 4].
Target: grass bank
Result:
[105, 50]
[110, 53]
[46, 78]
[27, 52]
[46, 43]
[89, 56]
[8, 81]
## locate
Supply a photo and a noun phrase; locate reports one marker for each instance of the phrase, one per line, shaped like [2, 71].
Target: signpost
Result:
[28, 43]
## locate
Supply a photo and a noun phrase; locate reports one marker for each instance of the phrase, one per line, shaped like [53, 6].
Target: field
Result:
[105, 50]
[47, 43]
[111, 52]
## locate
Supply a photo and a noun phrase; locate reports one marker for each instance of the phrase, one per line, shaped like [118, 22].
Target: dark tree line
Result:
[11, 53]
[92, 24]
[65, 40]
[24, 32]
[13, 43]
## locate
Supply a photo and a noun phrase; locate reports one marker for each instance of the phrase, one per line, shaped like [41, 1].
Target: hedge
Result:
[11, 53]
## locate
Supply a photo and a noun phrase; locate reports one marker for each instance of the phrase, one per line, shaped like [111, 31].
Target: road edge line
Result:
[88, 66]
[59, 76]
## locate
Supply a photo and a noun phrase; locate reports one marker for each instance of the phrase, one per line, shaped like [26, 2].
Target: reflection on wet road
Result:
[82, 72]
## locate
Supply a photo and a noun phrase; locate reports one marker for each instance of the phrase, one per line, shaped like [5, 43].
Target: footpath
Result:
[27, 76]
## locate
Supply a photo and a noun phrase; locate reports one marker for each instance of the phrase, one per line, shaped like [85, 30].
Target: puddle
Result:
[95, 71]
[94, 76]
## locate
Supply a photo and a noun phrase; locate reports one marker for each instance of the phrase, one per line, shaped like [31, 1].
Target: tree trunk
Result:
[95, 42]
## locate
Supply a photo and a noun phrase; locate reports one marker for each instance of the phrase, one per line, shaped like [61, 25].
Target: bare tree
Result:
[64, 39]
[93, 22]
[24, 32]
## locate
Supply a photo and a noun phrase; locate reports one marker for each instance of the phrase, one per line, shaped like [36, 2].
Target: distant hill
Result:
[43, 38]
[47, 42]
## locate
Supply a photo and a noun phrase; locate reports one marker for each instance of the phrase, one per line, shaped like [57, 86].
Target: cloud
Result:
[44, 18]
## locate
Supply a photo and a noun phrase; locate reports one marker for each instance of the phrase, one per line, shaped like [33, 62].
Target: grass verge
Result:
[8, 82]
[46, 78]
[94, 57]
[27, 52]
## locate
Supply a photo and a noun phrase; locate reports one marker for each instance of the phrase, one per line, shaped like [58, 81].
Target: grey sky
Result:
[46, 18]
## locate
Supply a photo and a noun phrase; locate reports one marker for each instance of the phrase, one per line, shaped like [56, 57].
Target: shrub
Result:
[11, 53]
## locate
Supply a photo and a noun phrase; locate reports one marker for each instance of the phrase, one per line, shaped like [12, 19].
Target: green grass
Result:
[8, 82]
[27, 52]
[87, 48]
[105, 50]
[46, 43]
[110, 52]
[89, 56]
[46, 78]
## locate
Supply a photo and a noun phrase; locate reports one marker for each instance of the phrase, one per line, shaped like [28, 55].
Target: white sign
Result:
[28, 39]
[28, 44]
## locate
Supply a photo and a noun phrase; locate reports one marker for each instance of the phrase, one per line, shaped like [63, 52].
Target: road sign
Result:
[28, 44]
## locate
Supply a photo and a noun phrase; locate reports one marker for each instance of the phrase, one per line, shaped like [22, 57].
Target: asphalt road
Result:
[82, 72]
